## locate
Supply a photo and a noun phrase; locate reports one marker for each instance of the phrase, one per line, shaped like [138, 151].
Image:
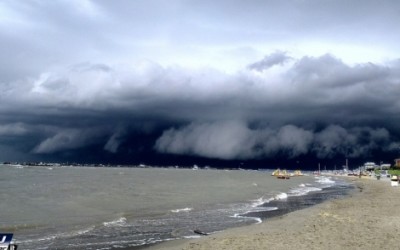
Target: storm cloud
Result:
[277, 58]
[314, 105]
[253, 81]
[235, 140]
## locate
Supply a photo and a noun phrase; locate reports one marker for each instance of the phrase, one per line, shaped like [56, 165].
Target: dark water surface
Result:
[105, 208]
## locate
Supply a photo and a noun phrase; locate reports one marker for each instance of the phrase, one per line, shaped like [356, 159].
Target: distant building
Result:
[370, 166]
[397, 163]
[385, 166]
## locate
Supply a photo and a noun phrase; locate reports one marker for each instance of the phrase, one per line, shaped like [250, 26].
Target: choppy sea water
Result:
[105, 208]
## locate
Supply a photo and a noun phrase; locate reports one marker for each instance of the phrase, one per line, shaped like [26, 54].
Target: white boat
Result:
[394, 182]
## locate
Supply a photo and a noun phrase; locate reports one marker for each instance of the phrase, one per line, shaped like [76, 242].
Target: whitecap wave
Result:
[326, 180]
[260, 209]
[186, 209]
[243, 216]
[192, 237]
[60, 235]
[281, 196]
[303, 190]
[118, 222]
[260, 201]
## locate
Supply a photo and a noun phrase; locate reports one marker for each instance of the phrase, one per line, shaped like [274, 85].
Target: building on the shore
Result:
[370, 166]
[385, 166]
[397, 163]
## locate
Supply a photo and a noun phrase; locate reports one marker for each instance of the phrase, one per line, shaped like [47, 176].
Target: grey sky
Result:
[74, 74]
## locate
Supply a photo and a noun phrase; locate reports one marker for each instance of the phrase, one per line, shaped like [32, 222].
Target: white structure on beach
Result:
[370, 166]
[385, 166]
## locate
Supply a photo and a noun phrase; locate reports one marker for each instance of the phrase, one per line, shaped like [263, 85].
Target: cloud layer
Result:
[316, 105]
[235, 140]
[253, 81]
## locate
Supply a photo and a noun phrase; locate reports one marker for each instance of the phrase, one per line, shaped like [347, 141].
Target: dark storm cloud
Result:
[68, 139]
[13, 129]
[234, 140]
[277, 58]
[90, 102]
[330, 71]
[238, 141]
[199, 78]
[248, 114]
[115, 140]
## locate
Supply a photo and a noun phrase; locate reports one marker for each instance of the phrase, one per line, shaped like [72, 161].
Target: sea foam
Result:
[303, 189]
[325, 180]
[118, 222]
[281, 196]
[186, 209]
[260, 201]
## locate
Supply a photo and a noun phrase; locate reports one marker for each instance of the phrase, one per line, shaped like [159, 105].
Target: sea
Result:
[69, 207]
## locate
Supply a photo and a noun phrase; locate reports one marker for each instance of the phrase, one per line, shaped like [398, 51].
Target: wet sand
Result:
[368, 218]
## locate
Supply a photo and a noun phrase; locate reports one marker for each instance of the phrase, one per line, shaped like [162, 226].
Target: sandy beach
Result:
[366, 219]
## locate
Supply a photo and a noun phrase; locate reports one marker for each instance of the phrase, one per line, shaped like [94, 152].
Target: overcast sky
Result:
[229, 80]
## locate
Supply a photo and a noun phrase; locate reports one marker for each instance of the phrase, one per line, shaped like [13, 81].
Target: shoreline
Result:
[364, 219]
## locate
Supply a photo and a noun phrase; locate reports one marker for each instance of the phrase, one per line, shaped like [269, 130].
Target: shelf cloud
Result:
[100, 79]
[234, 140]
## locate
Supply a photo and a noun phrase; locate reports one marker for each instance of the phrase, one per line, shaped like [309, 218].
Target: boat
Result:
[284, 177]
[394, 182]
[281, 174]
[276, 172]
[298, 173]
